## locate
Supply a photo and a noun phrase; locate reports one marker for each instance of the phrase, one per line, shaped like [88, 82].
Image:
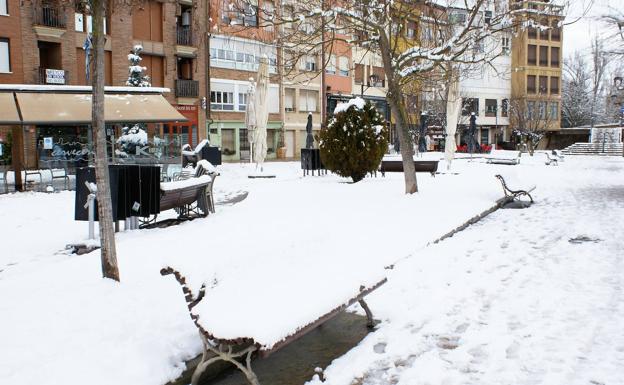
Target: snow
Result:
[509, 300]
[180, 184]
[357, 102]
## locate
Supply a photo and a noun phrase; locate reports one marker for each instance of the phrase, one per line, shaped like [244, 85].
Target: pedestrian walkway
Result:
[524, 297]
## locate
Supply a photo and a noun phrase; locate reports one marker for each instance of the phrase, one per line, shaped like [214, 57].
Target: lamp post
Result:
[616, 97]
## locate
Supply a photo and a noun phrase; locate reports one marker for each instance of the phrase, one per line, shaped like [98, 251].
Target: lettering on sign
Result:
[55, 76]
[186, 108]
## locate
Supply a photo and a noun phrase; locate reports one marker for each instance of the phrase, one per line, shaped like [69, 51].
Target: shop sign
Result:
[55, 76]
[47, 143]
[186, 107]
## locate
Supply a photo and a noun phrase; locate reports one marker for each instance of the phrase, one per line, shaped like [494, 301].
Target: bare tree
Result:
[576, 101]
[531, 119]
[600, 61]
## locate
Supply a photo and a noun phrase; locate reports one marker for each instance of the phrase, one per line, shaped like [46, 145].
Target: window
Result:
[470, 105]
[555, 32]
[457, 18]
[331, 66]
[221, 100]
[554, 111]
[289, 99]
[554, 57]
[147, 21]
[308, 63]
[242, 101]
[506, 45]
[554, 85]
[532, 33]
[542, 110]
[240, 13]
[343, 65]
[532, 55]
[488, 17]
[379, 77]
[4, 7]
[358, 76]
[269, 12]
[84, 23]
[505, 108]
[543, 56]
[490, 107]
[485, 136]
[531, 86]
[543, 84]
[411, 29]
[544, 30]
[530, 110]
[5, 56]
[307, 100]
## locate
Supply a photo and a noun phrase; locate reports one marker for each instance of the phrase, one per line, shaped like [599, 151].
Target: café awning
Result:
[75, 108]
[8, 110]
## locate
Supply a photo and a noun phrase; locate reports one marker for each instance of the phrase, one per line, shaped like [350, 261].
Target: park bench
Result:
[190, 196]
[513, 195]
[396, 165]
[239, 350]
[58, 170]
[503, 157]
[551, 160]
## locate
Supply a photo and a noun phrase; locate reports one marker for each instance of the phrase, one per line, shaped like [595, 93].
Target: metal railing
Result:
[184, 35]
[186, 88]
[53, 76]
[49, 17]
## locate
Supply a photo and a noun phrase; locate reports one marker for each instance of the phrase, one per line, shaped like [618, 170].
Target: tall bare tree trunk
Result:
[105, 206]
[395, 97]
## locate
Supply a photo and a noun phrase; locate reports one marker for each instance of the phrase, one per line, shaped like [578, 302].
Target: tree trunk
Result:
[105, 207]
[395, 98]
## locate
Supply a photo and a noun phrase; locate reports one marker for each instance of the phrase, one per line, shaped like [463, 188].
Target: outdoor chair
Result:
[4, 170]
[31, 172]
[58, 170]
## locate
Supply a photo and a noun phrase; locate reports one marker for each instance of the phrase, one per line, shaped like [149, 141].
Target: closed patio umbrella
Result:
[453, 106]
[262, 113]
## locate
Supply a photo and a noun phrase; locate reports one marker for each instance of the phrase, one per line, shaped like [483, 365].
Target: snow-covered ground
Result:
[513, 283]
[524, 297]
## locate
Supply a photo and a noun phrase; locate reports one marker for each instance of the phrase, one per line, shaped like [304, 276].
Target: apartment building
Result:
[536, 63]
[45, 46]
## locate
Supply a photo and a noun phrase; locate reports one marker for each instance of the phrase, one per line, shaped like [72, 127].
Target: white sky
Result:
[578, 35]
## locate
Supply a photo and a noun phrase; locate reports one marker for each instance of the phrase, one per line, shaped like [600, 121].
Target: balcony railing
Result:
[184, 36]
[186, 88]
[49, 17]
[53, 76]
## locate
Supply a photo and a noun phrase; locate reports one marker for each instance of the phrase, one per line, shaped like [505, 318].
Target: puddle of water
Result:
[294, 364]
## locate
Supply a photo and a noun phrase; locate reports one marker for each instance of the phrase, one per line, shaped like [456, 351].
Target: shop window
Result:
[543, 56]
[542, 110]
[221, 100]
[485, 136]
[4, 7]
[470, 105]
[531, 85]
[490, 107]
[308, 100]
[532, 55]
[5, 56]
[228, 141]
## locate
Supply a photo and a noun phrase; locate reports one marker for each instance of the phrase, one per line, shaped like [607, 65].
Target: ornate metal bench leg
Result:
[369, 315]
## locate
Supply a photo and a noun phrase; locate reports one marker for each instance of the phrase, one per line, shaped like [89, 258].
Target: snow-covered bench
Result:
[235, 326]
[551, 160]
[515, 194]
[503, 157]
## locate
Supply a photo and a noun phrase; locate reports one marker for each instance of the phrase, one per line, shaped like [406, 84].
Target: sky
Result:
[582, 27]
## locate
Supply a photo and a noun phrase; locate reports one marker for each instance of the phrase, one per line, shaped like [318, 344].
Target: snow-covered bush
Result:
[355, 140]
[130, 139]
[135, 70]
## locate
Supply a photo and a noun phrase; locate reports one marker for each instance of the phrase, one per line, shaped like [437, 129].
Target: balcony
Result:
[184, 36]
[49, 17]
[186, 88]
[53, 76]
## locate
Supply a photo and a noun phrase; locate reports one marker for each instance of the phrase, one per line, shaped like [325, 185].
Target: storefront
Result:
[52, 125]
